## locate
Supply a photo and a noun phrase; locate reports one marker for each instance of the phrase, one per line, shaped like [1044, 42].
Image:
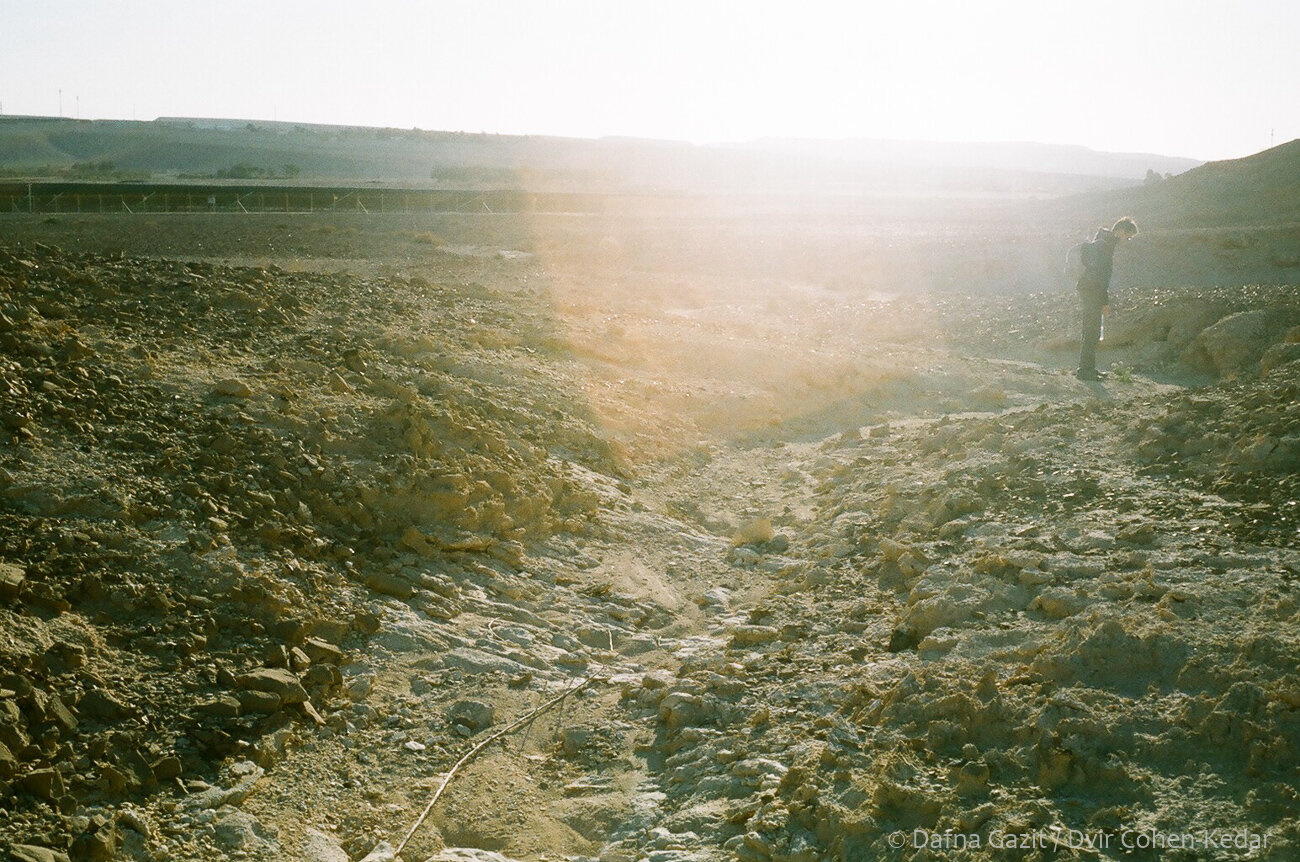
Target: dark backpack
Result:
[1074, 265]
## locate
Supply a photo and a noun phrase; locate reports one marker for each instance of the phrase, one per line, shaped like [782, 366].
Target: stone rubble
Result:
[280, 546]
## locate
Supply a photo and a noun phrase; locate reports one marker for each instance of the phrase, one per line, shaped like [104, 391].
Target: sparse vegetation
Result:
[244, 171]
[104, 169]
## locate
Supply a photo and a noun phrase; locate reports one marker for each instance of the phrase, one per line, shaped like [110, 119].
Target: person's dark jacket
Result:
[1098, 262]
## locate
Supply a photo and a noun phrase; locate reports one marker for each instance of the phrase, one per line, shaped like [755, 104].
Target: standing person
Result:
[1094, 290]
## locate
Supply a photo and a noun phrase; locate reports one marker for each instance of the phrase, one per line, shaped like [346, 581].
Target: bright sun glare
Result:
[1178, 78]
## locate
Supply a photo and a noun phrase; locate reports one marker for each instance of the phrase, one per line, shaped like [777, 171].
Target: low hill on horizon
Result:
[1262, 189]
[170, 148]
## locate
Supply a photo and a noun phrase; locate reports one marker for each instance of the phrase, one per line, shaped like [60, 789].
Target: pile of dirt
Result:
[210, 474]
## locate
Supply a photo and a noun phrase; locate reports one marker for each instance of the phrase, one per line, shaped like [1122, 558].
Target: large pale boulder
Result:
[1235, 344]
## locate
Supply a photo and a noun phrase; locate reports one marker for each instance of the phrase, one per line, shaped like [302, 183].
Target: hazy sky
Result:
[1208, 80]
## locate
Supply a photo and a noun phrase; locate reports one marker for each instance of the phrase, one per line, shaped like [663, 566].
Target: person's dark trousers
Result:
[1090, 303]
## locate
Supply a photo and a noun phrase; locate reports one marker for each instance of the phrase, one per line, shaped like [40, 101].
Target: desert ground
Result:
[757, 534]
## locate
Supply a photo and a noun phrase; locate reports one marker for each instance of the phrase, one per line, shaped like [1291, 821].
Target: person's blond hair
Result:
[1125, 226]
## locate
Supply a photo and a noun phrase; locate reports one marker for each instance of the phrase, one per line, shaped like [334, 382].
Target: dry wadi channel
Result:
[756, 545]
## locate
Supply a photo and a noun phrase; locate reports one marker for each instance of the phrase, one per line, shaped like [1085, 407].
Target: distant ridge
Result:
[173, 148]
[1001, 155]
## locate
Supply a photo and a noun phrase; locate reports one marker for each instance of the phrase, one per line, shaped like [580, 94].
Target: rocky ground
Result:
[295, 512]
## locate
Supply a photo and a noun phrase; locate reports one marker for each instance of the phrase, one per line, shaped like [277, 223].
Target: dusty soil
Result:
[296, 511]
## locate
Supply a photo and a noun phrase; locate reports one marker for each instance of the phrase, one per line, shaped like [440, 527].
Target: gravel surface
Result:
[294, 513]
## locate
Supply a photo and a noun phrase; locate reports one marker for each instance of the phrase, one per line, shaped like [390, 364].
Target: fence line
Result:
[61, 199]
